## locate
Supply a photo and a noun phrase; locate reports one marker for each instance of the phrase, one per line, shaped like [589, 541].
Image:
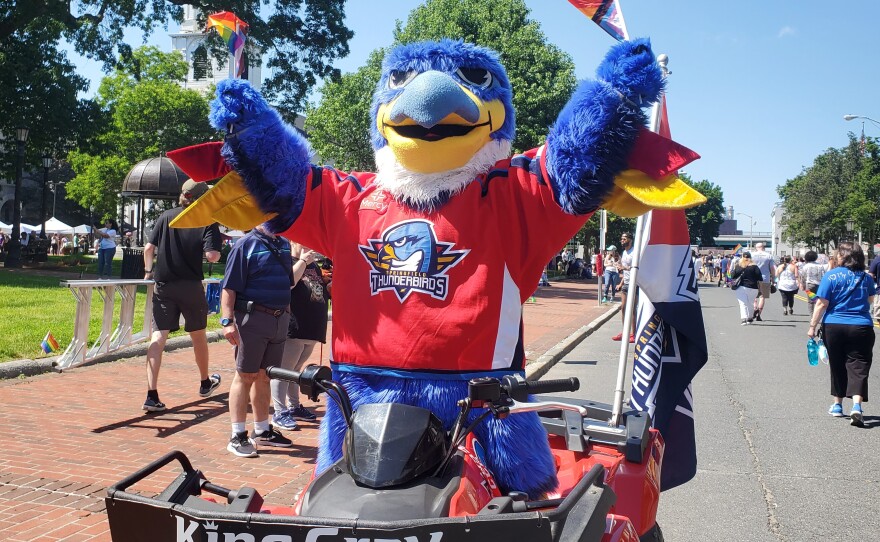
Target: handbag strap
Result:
[275, 252]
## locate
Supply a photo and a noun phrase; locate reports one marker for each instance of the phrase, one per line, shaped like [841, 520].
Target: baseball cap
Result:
[747, 254]
[194, 189]
[611, 247]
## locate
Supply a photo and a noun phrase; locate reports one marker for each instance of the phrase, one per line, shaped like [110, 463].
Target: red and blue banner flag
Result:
[671, 340]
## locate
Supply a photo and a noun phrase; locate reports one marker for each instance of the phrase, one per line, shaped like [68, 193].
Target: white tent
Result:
[5, 228]
[82, 228]
[29, 228]
[53, 225]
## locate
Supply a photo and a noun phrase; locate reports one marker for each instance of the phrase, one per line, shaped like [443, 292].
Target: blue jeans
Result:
[610, 281]
[105, 261]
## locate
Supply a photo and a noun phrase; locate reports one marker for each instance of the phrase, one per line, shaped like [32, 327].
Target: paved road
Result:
[773, 466]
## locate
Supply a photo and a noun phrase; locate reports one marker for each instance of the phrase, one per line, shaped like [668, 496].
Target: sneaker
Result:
[855, 416]
[215, 383]
[749, 321]
[791, 311]
[271, 438]
[784, 311]
[758, 318]
[617, 337]
[836, 410]
[632, 338]
[744, 322]
[302, 413]
[153, 406]
[242, 446]
[604, 300]
[285, 421]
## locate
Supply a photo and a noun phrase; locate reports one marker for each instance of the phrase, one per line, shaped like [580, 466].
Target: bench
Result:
[37, 250]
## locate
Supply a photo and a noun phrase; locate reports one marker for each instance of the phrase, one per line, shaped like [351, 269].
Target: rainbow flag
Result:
[233, 31]
[811, 295]
[49, 343]
[605, 13]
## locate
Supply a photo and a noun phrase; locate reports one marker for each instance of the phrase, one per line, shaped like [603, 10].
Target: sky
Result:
[759, 89]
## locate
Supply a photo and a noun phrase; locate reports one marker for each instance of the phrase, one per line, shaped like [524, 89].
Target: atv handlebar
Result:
[519, 388]
[312, 380]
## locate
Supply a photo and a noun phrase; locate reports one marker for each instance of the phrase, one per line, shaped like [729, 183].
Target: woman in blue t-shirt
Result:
[843, 307]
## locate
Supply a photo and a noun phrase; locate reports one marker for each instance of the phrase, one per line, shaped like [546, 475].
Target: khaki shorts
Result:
[764, 289]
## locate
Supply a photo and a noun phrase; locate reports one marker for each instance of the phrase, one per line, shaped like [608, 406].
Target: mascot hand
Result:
[238, 105]
[631, 69]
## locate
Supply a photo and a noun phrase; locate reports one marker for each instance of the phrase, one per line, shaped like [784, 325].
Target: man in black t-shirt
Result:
[178, 275]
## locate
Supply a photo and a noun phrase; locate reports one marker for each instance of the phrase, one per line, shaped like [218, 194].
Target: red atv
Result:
[403, 478]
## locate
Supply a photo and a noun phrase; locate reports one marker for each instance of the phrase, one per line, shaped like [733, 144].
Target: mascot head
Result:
[442, 112]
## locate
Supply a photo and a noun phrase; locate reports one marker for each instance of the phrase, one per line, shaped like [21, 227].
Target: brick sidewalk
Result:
[71, 435]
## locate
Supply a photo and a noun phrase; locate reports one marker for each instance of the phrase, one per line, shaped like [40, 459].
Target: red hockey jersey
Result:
[434, 295]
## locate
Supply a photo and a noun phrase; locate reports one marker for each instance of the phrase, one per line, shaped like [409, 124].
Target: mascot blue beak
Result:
[430, 97]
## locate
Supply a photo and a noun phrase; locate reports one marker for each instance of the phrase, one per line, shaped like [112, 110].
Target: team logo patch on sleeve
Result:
[408, 258]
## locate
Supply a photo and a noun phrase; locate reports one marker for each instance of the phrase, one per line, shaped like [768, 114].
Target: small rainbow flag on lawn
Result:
[49, 343]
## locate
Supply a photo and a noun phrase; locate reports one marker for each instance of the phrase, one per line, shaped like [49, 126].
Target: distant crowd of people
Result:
[841, 292]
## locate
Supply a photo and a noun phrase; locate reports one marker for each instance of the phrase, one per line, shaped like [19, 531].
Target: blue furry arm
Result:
[595, 132]
[271, 156]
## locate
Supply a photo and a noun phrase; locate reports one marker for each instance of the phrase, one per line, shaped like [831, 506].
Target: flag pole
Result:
[642, 223]
[603, 226]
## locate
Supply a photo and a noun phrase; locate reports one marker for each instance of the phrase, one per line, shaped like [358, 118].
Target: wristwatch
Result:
[225, 321]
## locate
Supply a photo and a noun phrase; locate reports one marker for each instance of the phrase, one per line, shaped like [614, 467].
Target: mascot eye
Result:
[400, 242]
[399, 79]
[479, 77]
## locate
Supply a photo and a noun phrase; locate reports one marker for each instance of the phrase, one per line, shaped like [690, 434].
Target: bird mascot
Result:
[435, 253]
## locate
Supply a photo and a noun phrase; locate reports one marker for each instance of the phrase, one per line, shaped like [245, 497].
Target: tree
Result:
[705, 220]
[841, 184]
[301, 37]
[39, 90]
[150, 113]
[339, 127]
[542, 76]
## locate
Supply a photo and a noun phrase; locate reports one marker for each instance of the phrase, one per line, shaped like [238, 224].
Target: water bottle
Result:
[822, 352]
[812, 352]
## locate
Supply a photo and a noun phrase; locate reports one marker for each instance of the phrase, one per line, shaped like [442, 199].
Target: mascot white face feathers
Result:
[442, 114]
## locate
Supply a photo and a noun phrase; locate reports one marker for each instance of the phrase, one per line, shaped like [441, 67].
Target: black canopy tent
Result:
[154, 178]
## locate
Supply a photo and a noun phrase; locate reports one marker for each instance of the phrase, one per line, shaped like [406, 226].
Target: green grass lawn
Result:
[32, 304]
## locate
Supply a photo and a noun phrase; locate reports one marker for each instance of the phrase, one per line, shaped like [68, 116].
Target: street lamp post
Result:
[853, 117]
[47, 163]
[751, 227]
[13, 256]
[54, 189]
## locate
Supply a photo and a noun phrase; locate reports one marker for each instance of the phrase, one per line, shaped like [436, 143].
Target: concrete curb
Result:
[29, 367]
[538, 368]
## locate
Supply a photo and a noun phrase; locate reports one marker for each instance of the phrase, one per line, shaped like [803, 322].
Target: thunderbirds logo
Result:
[408, 258]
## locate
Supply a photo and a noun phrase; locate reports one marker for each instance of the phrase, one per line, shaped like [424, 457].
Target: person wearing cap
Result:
[177, 270]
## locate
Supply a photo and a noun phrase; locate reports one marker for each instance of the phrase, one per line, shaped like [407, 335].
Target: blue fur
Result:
[517, 451]
[270, 155]
[595, 132]
[445, 56]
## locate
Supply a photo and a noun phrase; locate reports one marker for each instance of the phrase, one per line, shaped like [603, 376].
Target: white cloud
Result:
[785, 31]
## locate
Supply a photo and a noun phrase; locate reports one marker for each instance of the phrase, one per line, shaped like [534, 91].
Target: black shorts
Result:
[186, 297]
[261, 340]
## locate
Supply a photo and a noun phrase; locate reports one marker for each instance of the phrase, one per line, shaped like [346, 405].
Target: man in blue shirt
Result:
[255, 313]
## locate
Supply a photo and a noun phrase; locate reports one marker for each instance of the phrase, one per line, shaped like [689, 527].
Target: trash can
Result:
[132, 263]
